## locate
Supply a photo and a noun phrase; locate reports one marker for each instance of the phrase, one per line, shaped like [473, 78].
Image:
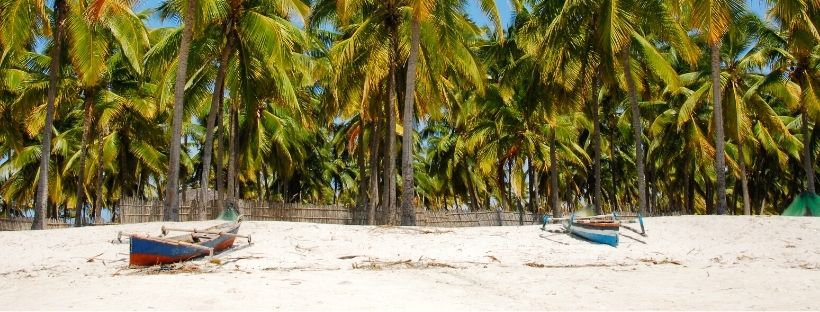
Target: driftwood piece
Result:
[93, 258]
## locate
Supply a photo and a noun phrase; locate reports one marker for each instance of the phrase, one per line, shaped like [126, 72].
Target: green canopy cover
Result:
[805, 204]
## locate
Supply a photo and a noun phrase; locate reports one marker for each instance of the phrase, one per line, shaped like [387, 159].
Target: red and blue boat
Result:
[148, 250]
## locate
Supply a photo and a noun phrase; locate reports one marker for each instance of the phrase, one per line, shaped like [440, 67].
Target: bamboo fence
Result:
[22, 224]
[479, 218]
[136, 211]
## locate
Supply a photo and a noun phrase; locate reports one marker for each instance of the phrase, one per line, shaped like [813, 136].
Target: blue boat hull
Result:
[146, 251]
[602, 232]
[608, 237]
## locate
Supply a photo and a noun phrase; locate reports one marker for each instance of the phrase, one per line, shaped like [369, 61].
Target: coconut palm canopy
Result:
[696, 106]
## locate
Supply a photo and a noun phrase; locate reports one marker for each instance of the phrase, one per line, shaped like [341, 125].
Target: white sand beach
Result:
[689, 262]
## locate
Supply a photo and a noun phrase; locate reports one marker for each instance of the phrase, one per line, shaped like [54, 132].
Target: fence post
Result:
[498, 213]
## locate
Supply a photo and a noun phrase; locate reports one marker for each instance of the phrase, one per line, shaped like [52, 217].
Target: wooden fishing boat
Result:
[595, 230]
[147, 250]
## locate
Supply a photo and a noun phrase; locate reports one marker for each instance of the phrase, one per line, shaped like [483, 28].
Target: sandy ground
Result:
[689, 262]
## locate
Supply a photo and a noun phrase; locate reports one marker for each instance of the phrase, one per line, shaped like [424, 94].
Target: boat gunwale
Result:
[614, 225]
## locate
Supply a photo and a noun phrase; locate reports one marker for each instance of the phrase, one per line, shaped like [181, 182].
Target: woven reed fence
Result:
[133, 210]
[137, 211]
[480, 218]
[22, 224]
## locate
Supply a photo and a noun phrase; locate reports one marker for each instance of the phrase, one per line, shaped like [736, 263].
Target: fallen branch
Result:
[662, 261]
[94, 257]
[403, 264]
[573, 266]
[425, 231]
[350, 257]
[409, 230]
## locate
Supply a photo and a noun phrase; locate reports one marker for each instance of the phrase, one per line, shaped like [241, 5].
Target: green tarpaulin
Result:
[229, 214]
[806, 204]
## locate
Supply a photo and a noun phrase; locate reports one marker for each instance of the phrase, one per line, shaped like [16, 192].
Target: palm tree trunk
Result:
[596, 143]
[408, 190]
[533, 185]
[266, 177]
[808, 166]
[389, 179]
[182, 181]
[361, 199]
[709, 193]
[99, 180]
[171, 211]
[373, 200]
[556, 209]
[637, 130]
[747, 205]
[510, 195]
[536, 190]
[650, 205]
[502, 188]
[473, 198]
[231, 191]
[41, 201]
[285, 189]
[733, 207]
[259, 187]
[127, 188]
[216, 109]
[690, 192]
[88, 119]
[218, 167]
[720, 155]
[614, 199]
[687, 183]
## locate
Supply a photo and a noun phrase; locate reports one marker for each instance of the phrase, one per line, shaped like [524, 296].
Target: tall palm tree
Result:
[746, 50]
[237, 30]
[41, 201]
[365, 27]
[94, 29]
[408, 190]
[171, 205]
[605, 40]
[714, 18]
[421, 10]
[799, 21]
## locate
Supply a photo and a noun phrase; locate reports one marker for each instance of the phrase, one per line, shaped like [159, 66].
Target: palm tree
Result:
[798, 21]
[171, 207]
[745, 52]
[364, 38]
[714, 18]
[41, 200]
[421, 10]
[247, 23]
[408, 189]
[578, 52]
[90, 29]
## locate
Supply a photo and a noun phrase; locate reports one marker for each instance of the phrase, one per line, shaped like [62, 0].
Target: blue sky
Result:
[504, 6]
